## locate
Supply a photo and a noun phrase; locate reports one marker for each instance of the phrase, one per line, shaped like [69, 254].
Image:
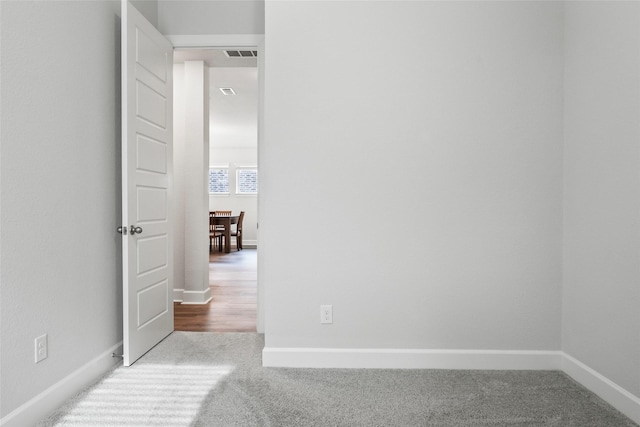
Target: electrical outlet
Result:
[326, 314]
[41, 348]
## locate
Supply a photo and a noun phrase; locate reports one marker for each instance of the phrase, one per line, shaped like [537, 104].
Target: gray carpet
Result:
[210, 379]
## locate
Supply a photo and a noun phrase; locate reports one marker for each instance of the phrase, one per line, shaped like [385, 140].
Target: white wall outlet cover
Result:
[41, 348]
[326, 314]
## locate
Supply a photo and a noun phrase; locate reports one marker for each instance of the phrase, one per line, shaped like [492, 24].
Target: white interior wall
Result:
[415, 149]
[148, 8]
[211, 17]
[601, 289]
[60, 182]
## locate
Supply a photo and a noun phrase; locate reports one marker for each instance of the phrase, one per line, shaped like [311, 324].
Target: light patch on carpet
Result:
[149, 395]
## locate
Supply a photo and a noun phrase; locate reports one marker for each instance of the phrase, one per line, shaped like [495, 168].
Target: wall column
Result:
[196, 202]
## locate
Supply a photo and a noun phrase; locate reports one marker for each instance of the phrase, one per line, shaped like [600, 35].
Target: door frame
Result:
[234, 41]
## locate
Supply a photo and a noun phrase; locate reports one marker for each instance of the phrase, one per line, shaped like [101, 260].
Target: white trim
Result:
[610, 392]
[196, 297]
[55, 396]
[178, 295]
[249, 244]
[410, 358]
[217, 40]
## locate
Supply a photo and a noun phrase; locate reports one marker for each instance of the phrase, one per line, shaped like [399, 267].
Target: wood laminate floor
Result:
[233, 283]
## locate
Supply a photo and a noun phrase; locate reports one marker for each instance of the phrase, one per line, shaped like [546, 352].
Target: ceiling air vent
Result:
[241, 53]
[227, 91]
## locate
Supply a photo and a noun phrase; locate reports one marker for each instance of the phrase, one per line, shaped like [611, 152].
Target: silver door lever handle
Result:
[135, 230]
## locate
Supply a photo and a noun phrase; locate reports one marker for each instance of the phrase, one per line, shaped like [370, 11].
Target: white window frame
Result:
[243, 168]
[219, 166]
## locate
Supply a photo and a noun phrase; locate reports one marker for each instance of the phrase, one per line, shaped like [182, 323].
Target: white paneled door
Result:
[147, 133]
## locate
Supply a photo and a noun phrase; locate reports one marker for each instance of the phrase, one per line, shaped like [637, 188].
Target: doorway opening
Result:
[232, 186]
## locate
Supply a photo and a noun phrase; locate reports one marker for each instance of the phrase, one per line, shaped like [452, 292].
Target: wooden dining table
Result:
[226, 221]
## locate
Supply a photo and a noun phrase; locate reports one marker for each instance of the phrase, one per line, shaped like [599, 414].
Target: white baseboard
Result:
[55, 396]
[606, 389]
[178, 295]
[410, 358]
[196, 297]
[249, 244]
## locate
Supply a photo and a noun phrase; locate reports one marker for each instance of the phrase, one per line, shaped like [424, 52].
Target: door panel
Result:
[147, 132]
[152, 204]
[152, 303]
[151, 254]
[152, 155]
[151, 106]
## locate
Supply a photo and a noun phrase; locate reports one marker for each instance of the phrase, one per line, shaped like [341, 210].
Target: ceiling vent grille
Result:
[227, 91]
[241, 53]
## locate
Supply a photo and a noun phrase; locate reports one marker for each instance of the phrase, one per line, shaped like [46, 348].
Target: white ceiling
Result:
[233, 118]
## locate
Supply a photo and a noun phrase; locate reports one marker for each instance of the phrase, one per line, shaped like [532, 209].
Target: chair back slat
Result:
[239, 227]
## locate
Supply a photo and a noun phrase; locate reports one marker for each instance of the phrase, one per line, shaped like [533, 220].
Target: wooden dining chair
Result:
[215, 233]
[237, 232]
[220, 213]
